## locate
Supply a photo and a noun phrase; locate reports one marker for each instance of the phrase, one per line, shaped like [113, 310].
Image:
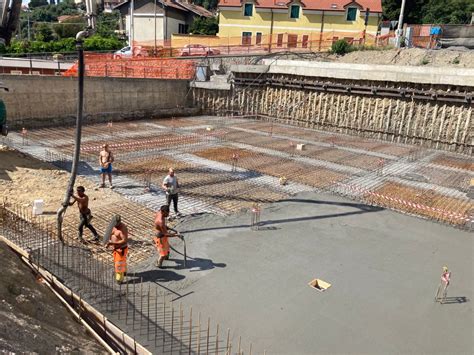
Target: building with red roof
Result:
[298, 23]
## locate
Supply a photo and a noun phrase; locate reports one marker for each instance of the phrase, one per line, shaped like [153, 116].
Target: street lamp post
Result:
[400, 26]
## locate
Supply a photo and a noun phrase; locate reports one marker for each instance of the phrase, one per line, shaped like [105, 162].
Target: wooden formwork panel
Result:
[422, 202]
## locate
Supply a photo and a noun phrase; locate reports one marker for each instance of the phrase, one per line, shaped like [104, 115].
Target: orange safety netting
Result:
[156, 68]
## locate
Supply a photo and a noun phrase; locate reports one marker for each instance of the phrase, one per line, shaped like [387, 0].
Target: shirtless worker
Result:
[85, 213]
[162, 234]
[106, 158]
[443, 286]
[119, 242]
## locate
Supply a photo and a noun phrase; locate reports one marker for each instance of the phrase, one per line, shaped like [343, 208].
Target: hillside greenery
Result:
[430, 11]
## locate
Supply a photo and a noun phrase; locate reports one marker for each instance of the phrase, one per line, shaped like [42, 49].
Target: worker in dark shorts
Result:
[85, 213]
[171, 187]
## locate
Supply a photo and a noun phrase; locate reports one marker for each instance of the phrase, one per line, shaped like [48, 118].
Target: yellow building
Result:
[298, 23]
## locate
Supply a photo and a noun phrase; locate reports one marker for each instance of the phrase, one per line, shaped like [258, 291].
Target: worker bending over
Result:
[119, 242]
[162, 234]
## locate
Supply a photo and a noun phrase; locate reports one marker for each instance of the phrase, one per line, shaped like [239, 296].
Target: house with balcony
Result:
[298, 23]
[149, 22]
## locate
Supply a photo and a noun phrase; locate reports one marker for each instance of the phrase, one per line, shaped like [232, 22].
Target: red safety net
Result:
[138, 67]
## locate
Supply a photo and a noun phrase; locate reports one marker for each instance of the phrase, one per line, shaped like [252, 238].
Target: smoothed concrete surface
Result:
[384, 268]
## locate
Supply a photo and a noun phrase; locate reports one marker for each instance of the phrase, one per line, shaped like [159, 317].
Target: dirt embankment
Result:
[24, 179]
[411, 56]
[32, 319]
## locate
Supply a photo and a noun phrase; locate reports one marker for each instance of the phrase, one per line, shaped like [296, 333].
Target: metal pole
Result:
[199, 334]
[180, 327]
[29, 32]
[217, 339]
[400, 26]
[155, 30]
[164, 320]
[190, 329]
[208, 326]
[172, 328]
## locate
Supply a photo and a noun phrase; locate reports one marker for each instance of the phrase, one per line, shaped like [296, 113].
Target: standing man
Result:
[171, 186]
[119, 241]
[106, 158]
[162, 234]
[443, 286]
[85, 213]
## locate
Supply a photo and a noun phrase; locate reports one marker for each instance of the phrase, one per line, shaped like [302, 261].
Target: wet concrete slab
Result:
[383, 267]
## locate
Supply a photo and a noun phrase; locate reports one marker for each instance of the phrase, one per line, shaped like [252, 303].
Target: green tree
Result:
[69, 28]
[413, 10]
[107, 23]
[37, 3]
[430, 11]
[97, 43]
[448, 11]
[43, 32]
[207, 4]
[204, 26]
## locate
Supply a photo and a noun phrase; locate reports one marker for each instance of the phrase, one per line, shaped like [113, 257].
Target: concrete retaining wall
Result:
[427, 123]
[35, 101]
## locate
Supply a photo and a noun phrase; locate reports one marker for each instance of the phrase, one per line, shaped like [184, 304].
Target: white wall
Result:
[173, 26]
[144, 28]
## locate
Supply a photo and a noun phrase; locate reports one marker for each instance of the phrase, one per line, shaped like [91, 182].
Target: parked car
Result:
[198, 50]
[126, 52]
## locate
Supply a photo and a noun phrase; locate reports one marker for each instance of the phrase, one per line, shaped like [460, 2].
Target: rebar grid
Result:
[151, 317]
[252, 154]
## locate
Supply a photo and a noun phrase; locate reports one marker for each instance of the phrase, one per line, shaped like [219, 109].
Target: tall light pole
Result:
[28, 17]
[155, 27]
[400, 26]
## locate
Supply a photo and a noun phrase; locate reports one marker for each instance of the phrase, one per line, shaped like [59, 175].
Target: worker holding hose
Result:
[162, 235]
[119, 242]
[85, 213]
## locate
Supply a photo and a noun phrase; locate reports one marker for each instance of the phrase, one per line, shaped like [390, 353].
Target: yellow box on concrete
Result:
[319, 285]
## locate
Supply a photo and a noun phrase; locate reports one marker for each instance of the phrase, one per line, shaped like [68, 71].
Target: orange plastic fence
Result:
[157, 68]
[312, 41]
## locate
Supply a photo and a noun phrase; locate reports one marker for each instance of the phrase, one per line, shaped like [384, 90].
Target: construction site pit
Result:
[226, 166]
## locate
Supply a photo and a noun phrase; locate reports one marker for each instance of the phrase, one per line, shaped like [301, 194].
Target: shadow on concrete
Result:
[198, 264]
[362, 209]
[158, 275]
[455, 300]
[360, 206]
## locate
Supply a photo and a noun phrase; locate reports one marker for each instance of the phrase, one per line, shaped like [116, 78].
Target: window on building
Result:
[292, 41]
[351, 14]
[258, 38]
[280, 40]
[246, 38]
[182, 28]
[295, 11]
[304, 43]
[248, 9]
